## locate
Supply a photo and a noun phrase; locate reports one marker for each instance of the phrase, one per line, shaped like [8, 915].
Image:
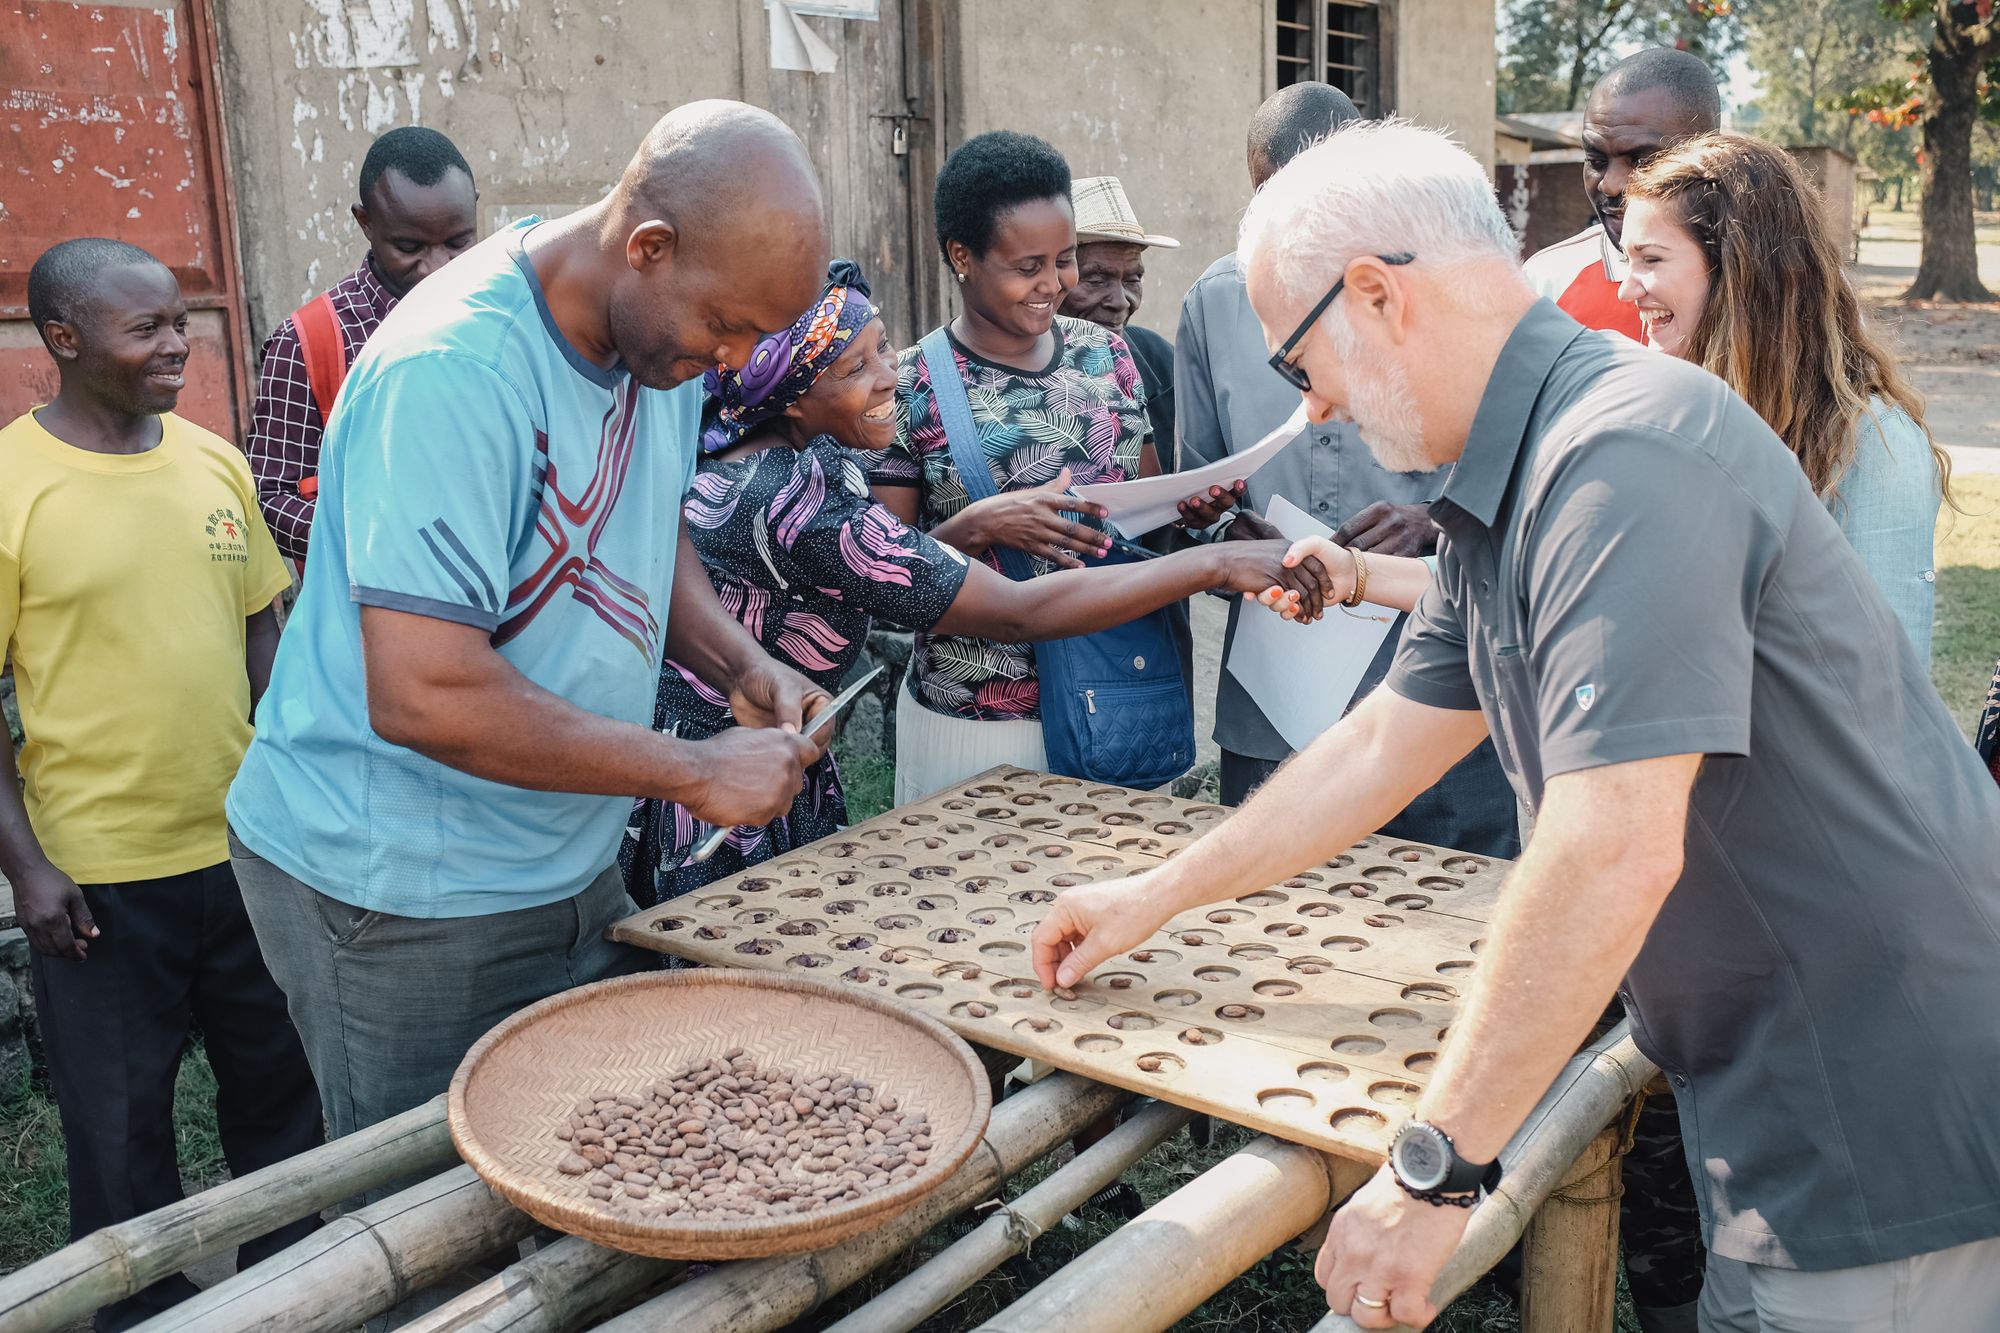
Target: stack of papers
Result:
[1304, 676]
[1138, 507]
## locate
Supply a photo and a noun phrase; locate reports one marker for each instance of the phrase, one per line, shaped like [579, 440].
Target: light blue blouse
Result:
[1887, 504]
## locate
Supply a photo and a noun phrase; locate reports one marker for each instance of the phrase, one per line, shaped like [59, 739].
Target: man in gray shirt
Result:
[1755, 819]
[1228, 400]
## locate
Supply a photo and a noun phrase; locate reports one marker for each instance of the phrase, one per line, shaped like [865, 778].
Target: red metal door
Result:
[112, 129]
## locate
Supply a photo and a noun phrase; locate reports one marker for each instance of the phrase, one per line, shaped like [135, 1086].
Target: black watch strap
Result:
[1462, 1182]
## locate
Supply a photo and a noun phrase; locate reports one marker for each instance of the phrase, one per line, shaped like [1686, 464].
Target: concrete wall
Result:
[1443, 53]
[1158, 95]
[548, 98]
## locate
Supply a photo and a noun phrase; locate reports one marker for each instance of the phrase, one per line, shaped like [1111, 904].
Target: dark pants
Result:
[173, 955]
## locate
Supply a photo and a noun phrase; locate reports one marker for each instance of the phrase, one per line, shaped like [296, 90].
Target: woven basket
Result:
[519, 1082]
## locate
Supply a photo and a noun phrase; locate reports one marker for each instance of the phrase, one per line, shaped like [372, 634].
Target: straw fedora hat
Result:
[1103, 213]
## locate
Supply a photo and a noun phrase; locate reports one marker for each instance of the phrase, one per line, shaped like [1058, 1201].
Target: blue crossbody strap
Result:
[954, 410]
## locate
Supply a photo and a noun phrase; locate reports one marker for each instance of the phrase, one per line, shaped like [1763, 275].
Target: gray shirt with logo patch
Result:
[1634, 566]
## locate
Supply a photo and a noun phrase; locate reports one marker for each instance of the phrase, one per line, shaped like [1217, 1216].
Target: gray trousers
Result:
[1946, 1291]
[387, 1006]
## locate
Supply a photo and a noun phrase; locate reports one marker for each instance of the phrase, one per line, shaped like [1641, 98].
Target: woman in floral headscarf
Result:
[799, 552]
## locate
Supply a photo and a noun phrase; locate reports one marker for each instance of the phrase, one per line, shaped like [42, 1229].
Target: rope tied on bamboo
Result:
[1572, 1192]
[1022, 1230]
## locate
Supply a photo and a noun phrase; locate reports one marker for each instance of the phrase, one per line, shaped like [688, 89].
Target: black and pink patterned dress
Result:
[807, 561]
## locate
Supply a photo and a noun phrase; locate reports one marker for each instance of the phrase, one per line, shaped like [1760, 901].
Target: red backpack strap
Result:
[324, 352]
[322, 349]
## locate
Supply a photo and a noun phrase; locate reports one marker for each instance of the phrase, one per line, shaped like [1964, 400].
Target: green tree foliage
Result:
[1552, 51]
[1811, 56]
[1949, 91]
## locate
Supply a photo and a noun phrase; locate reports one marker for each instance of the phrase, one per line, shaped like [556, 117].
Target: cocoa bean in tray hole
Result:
[727, 1140]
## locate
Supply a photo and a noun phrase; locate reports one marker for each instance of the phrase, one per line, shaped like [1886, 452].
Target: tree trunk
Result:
[1949, 266]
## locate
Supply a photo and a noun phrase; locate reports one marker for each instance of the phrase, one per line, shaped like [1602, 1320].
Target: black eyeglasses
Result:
[1295, 375]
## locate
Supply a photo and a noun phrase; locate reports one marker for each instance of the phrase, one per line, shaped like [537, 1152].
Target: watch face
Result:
[1420, 1158]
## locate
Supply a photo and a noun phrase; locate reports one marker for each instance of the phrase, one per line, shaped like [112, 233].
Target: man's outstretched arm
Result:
[1341, 788]
[1607, 850]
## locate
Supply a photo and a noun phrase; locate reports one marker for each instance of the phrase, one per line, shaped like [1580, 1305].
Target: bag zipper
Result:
[1090, 700]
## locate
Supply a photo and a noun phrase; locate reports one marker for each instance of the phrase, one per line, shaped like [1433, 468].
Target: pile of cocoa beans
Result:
[726, 1140]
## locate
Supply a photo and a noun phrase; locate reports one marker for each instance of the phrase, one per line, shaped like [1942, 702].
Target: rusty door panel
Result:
[111, 130]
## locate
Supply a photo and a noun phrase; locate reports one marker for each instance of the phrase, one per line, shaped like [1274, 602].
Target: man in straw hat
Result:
[1110, 286]
[1755, 819]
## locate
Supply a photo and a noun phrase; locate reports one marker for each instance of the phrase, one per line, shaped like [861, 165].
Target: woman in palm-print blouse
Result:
[798, 551]
[1057, 401]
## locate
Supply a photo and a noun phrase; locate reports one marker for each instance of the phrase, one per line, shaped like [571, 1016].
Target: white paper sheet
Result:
[795, 46]
[1304, 676]
[1139, 506]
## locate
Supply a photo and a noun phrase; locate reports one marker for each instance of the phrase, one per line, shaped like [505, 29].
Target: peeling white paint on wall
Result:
[443, 22]
[359, 34]
[381, 113]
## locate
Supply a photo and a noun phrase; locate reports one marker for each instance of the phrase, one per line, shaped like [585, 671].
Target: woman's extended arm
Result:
[1083, 601]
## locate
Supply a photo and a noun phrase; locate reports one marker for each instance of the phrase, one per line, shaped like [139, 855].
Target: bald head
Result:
[1292, 120]
[1646, 102]
[725, 231]
[719, 155]
[1686, 84]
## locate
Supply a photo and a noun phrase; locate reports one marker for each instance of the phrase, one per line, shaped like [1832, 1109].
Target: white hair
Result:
[1376, 188]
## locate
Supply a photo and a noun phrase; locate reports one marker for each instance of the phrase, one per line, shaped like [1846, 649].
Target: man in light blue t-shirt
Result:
[427, 822]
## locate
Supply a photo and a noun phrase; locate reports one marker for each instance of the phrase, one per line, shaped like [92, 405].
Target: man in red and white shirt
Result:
[416, 211]
[1642, 104]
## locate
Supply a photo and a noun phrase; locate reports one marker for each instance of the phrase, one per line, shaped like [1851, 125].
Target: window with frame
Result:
[1332, 41]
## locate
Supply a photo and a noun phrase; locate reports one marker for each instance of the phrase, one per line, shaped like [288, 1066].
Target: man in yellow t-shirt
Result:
[136, 590]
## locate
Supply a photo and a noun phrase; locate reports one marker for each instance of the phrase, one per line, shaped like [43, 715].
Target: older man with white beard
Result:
[1731, 750]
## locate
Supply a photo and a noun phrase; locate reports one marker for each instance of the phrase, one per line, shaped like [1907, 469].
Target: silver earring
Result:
[961, 277]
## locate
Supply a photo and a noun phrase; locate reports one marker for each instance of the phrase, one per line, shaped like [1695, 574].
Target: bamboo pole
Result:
[761, 1294]
[1593, 1086]
[931, 1287]
[1155, 1269]
[114, 1263]
[355, 1268]
[571, 1283]
[1569, 1278]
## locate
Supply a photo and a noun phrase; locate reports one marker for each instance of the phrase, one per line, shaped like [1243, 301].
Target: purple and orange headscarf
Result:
[787, 364]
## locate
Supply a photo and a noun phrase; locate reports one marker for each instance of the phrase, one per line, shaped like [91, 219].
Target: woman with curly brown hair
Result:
[1733, 267]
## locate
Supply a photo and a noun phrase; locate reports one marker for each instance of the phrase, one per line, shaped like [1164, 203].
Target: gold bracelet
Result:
[1360, 580]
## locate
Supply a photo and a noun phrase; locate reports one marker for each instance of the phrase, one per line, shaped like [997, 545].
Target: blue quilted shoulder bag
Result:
[1114, 708]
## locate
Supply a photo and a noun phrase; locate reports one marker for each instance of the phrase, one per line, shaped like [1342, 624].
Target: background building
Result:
[226, 135]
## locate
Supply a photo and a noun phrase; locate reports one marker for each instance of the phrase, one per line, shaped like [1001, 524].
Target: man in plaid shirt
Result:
[416, 212]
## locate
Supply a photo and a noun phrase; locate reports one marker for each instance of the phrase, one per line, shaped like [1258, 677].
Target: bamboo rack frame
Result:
[114, 1263]
[1543, 1156]
[933, 1286]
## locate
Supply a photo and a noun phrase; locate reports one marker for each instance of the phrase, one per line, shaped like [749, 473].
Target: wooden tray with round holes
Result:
[517, 1084]
[1347, 976]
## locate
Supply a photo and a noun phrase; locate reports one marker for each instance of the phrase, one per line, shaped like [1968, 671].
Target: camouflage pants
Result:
[1657, 1218]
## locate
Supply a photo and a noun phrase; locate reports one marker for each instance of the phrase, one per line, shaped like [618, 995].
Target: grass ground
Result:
[34, 1196]
[1278, 1293]
[1966, 639]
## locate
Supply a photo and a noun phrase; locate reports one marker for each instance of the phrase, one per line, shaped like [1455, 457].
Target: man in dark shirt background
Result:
[1228, 400]
[415, 210]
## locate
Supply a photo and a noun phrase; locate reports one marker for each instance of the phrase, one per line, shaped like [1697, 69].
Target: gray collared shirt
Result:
[1229, 398]
[1634, 566]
